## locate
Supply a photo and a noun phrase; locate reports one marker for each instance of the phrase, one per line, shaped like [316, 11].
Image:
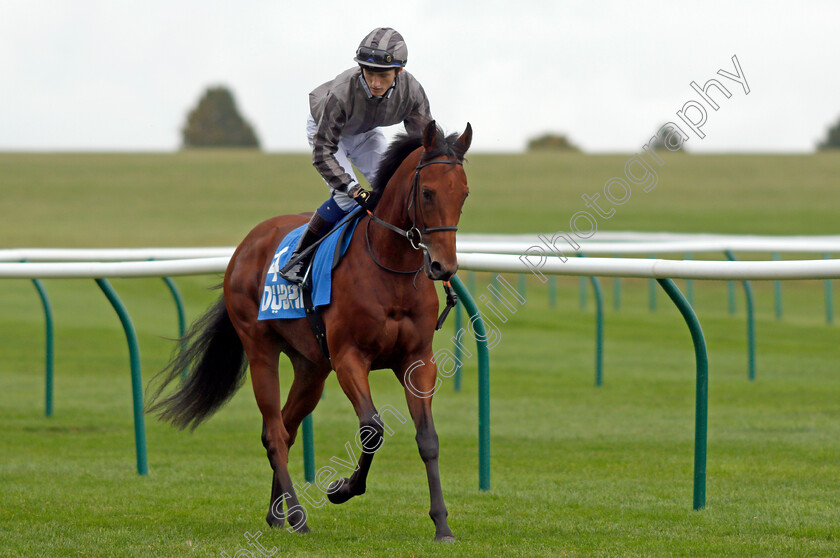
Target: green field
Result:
[576, 470]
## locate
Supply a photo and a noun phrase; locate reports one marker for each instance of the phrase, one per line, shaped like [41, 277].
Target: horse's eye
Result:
[428, 194]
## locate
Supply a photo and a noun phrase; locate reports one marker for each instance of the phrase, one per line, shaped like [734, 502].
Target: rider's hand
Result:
[361, 196]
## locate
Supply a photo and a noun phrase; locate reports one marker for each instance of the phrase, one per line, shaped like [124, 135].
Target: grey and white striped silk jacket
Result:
[346, 107]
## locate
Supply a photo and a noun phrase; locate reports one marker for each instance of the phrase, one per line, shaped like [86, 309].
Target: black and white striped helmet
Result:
[382, 48]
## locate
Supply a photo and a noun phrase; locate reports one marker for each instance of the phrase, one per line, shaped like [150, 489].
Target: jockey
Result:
[344, 126]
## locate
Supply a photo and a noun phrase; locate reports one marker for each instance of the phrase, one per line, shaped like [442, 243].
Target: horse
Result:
[382, 316]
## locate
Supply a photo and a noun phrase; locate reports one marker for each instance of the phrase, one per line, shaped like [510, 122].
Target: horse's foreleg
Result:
[418, 379]
[352, 372]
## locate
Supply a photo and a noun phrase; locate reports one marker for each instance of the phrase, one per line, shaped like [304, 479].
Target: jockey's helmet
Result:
[382, 49]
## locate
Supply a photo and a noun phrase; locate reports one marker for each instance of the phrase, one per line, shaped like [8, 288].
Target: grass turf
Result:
[576, 470]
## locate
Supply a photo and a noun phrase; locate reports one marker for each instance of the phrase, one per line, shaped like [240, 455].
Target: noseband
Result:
[414, 235]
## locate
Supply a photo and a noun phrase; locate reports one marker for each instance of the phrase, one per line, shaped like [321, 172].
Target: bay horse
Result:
[382, 315]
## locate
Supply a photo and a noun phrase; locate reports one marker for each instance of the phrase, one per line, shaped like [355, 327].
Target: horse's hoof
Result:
[445, 539]
[274, 521]
[339, 491]
[302, 529]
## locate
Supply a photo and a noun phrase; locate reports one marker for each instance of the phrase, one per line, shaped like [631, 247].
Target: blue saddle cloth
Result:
[284, 300]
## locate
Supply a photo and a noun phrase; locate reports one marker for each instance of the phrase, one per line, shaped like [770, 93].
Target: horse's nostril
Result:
[436, 268]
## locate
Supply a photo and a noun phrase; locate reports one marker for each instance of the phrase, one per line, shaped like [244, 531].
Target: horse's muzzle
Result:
[439, 271]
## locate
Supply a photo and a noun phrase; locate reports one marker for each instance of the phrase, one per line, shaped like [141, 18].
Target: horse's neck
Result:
[393, 205]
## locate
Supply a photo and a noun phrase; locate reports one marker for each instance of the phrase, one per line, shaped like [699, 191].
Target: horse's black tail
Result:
[212, 354]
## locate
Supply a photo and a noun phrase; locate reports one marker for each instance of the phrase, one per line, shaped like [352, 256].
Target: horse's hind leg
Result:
[305, 392]
[418, 379]
[303, 397]
[263, 354]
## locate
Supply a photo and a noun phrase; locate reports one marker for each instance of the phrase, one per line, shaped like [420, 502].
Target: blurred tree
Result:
[552, 142]
[216, 122]
[832, 140]
[668, 138]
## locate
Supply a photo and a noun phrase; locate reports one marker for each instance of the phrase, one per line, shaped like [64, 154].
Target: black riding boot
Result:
[295, 268]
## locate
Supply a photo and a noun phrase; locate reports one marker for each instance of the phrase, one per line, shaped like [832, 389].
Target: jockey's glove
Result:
[361, 196]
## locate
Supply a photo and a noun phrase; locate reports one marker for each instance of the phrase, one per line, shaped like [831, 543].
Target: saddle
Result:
[284, 300]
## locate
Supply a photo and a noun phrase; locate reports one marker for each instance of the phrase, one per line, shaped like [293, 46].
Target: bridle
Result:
[414, 235]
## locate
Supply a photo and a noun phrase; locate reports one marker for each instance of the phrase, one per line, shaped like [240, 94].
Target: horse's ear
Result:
[430, 135]
[463, 142]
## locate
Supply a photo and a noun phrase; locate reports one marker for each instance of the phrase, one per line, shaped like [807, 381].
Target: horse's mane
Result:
[403, 145]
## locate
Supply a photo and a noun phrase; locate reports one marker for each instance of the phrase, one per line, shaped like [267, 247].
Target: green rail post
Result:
[483, 383]
[50, 346]
[730, 286]
[701, 399]
[599, 331]
[652, 290]
[652, 295]
[829, 305]
[617, 293]
[182, 318]
[179, 304]
[136, 379]
[777, 292]
[552, 291]
[617, 289]
[457, 348]
[582, 293]
[750, 323]
[599, 327]
[308, 449]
